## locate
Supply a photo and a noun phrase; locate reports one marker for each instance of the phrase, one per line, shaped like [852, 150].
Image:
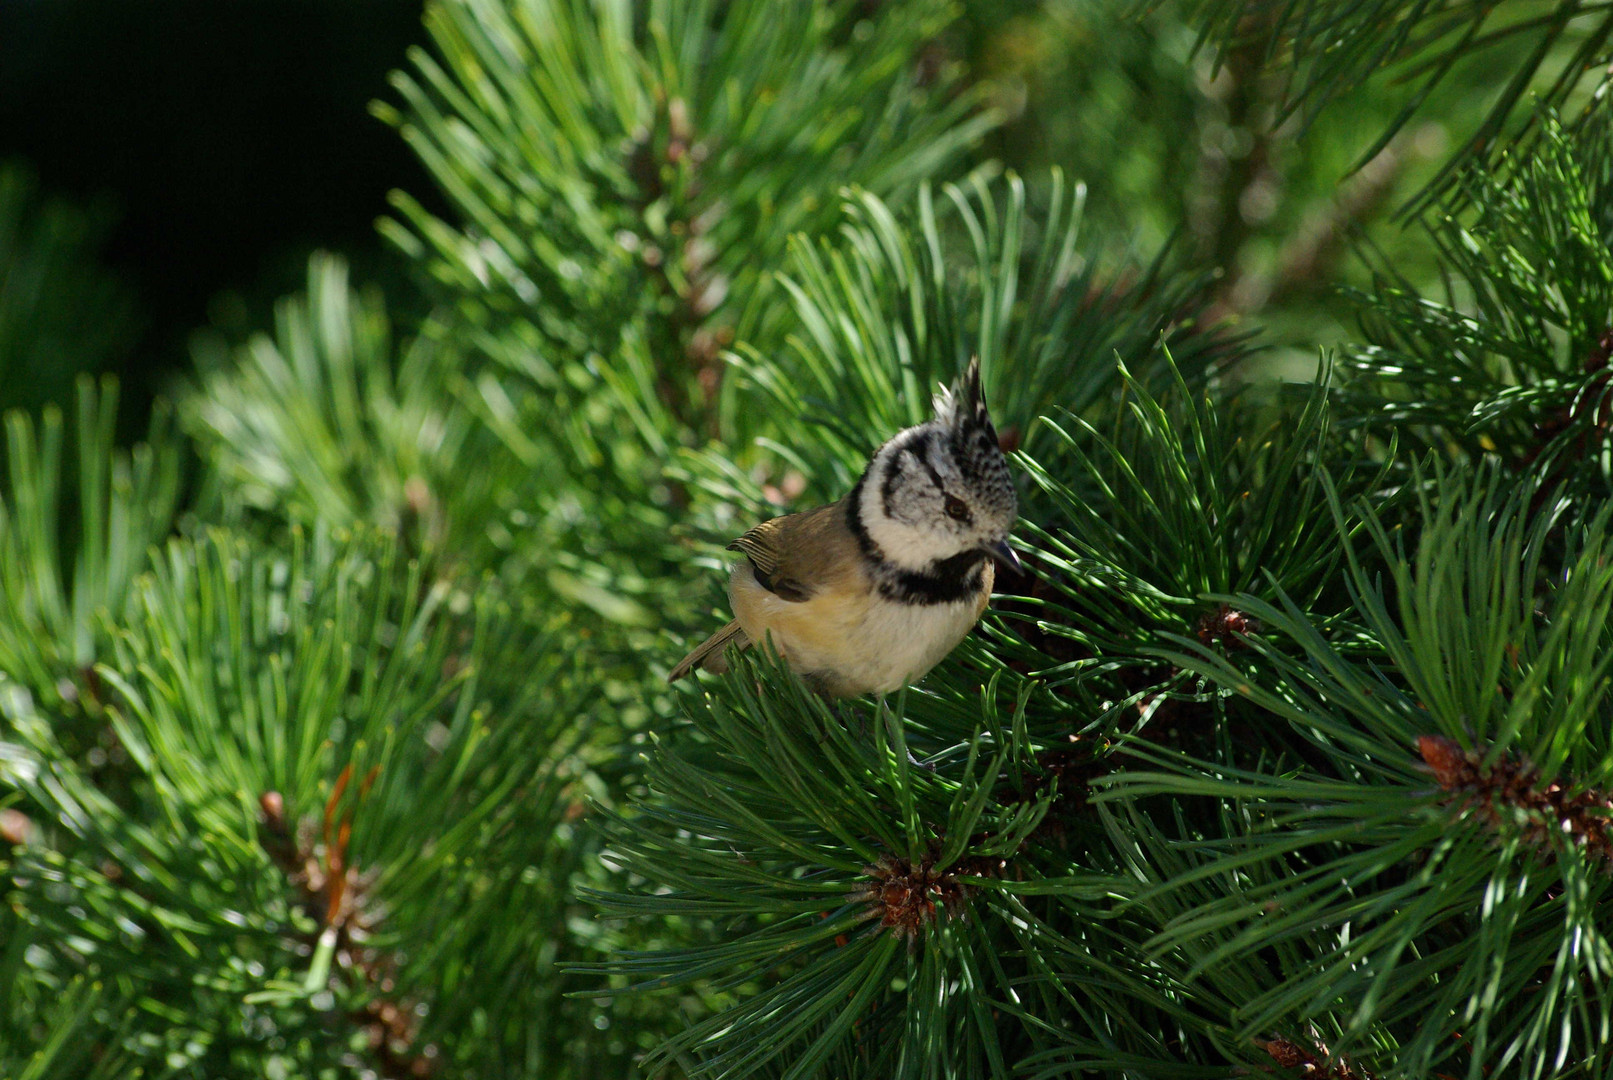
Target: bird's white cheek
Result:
[912, 545]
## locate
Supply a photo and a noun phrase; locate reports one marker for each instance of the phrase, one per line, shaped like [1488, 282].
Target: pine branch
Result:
[1511, 362]
[72, 1036]
[1501, 789]
[1317, 1063]
[837, 867]
[717, 131]
[885, 313]
[75, 550]
[1136, 531]
[426, 737]
[328, 421]
[1326, 49]
[78, 518]
[1409, 942]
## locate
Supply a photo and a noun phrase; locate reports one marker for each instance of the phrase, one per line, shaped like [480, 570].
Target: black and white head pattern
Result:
[936, 497]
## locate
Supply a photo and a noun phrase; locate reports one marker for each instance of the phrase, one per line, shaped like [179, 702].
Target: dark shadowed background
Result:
[215, 144]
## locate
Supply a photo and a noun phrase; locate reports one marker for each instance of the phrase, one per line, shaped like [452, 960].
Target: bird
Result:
[868, 593]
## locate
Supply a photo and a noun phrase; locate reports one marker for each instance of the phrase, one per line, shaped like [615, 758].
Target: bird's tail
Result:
[709, 653]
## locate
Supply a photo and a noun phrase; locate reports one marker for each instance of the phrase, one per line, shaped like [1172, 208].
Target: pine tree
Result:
[334, 739]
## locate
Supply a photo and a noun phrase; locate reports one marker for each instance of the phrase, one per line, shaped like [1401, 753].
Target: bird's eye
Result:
[956, 509]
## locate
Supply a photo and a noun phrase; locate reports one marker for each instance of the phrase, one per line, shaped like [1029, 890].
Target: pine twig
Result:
[1586, 818]
[335, 892]
[1291, 1055]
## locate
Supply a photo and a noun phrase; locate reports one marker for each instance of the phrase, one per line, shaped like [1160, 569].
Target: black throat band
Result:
[946, 581]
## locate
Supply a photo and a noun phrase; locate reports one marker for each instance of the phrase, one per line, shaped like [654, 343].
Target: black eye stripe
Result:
[920, 446]
[887, 488]
[935, 475]
[970, 454]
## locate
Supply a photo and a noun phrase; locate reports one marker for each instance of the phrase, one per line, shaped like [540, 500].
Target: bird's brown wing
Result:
[799, 555]
[709, 653]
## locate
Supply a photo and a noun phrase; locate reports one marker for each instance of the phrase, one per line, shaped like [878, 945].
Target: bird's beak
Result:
[1005, 555]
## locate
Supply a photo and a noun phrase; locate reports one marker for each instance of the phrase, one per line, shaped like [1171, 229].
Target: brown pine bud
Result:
[1446, 760]
[1287, 1054]
[274, 810]
[16, 828]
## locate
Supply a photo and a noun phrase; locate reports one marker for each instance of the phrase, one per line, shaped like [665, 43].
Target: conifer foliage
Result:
[334, 739]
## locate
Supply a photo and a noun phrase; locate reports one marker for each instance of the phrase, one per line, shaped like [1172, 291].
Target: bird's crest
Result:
[962, 407]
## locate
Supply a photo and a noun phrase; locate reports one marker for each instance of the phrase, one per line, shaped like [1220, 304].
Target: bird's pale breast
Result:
[849, 639]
